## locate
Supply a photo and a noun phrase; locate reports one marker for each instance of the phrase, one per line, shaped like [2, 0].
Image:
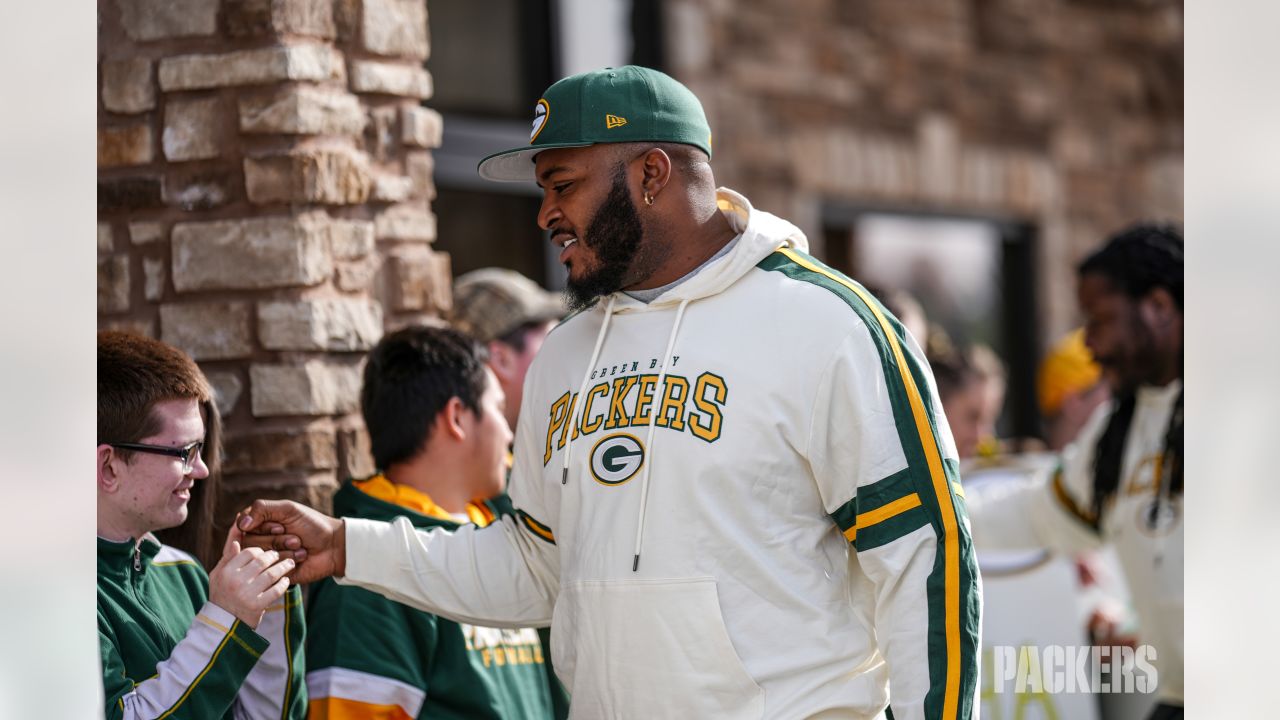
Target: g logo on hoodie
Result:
[616, 459]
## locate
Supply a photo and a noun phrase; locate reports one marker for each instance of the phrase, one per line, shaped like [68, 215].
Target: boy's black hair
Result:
[410, 375]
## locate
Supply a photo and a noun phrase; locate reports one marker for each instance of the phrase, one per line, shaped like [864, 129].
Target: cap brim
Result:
[517, 165]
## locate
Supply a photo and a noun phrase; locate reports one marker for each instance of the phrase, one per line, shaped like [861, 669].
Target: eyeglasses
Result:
[187, 453]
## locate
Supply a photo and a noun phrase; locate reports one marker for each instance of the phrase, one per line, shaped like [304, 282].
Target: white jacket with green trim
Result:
[741, 504]
[1147, 535]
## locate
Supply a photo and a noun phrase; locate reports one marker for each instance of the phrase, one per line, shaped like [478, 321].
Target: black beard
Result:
[614, 236]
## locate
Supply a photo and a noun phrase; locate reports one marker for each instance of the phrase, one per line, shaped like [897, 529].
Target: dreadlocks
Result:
[1136, 261]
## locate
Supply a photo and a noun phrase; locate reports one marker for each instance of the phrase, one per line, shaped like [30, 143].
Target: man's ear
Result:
[108, 478]
[452, 421]
[656, 166]
[502, 359]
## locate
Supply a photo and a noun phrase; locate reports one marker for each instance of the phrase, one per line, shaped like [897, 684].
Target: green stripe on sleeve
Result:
[948, 694]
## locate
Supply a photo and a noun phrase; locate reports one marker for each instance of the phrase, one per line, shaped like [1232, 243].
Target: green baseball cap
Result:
[626, 104]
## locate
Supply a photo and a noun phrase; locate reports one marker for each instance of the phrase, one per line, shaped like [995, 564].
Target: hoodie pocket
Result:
[650, 649]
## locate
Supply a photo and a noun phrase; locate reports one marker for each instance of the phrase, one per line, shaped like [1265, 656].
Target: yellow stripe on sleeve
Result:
[538, 529]
[215, 625]
[882, 513]
[335, 708]
[213, 659]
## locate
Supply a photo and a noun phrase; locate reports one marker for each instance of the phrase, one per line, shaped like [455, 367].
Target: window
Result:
[490, 63]
[490, 59]
[972, 275]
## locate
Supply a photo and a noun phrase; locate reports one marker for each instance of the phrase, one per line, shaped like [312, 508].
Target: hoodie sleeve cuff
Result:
[367, 556]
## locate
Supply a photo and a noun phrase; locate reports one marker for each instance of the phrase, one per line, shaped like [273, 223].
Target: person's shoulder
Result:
[170, 556]
[792, 268]
[179, 565]
[811, 298]
[807, 284]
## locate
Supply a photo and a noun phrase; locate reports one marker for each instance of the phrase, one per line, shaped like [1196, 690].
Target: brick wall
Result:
[264, 190]
[1063, 113]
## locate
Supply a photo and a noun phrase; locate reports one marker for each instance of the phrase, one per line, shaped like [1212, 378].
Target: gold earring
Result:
[648, 199]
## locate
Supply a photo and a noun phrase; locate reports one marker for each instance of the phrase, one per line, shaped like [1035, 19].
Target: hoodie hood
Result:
[760, 233]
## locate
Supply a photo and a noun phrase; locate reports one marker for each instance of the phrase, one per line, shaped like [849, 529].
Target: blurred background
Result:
[279, 182]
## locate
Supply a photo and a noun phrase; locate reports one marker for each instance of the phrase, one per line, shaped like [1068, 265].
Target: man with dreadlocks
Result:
[1121, 482]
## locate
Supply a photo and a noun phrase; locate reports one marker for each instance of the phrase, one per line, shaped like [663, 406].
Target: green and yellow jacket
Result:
[167, 652]
[371, 657]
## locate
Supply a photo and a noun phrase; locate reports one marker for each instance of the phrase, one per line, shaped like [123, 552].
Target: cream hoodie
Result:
[737, 501]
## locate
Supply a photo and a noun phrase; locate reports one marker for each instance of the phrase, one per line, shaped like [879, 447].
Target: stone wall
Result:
[1066, 114]
[264, 190]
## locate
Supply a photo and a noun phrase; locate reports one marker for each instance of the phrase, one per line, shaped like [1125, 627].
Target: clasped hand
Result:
[313, 541]
[247, 581]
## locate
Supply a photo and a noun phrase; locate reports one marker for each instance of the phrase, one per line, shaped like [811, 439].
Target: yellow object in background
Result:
[1068, 368]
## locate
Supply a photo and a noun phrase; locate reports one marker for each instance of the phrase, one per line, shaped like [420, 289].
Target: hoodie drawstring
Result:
[576, 410]
[653, 425]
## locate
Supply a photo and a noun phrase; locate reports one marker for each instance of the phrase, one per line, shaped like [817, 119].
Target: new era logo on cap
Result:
[613, 121]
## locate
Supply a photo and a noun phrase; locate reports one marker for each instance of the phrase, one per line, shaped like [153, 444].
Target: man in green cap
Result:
[737, 492]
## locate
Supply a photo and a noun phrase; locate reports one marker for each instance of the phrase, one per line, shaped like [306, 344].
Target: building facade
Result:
[282, 180]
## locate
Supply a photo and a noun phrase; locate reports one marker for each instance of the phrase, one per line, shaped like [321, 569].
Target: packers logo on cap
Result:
[541, 112]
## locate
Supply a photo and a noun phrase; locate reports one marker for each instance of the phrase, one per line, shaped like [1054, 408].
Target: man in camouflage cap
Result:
[509, 314]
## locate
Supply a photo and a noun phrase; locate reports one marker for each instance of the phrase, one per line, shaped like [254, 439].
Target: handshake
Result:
[264, 554]
[289, 541]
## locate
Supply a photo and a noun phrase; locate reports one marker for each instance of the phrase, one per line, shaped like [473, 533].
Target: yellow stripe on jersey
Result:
[215, 625]
[333, 708]
[941, 487]
[538, 528]
[1064, 499]
[882, 513]
[205, 671]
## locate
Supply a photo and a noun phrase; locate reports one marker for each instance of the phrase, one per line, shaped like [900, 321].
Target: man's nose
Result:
[548, 213]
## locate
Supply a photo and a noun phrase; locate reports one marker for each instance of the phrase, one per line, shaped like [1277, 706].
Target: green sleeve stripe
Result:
[882, 512]
[892, 528]
[872, 497]
[541, 531]
[951, 588]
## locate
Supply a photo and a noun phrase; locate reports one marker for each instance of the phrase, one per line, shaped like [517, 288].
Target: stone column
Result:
[264, 190]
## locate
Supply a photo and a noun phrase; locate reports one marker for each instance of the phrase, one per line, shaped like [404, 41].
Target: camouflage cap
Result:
[491, 302]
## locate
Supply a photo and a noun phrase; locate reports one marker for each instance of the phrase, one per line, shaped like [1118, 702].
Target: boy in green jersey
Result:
[435, 415]
[175, 641]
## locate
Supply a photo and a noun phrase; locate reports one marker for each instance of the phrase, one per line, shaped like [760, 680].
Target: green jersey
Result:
[167, 652]
[374, 657]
